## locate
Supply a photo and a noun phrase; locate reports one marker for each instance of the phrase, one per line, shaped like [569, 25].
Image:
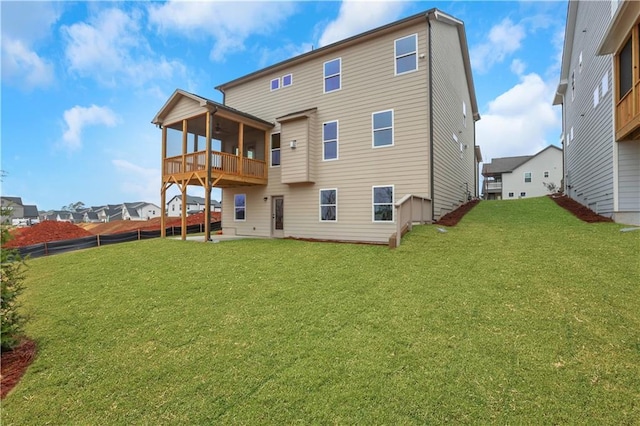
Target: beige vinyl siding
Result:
[368, 85]
[450, 90]
[184, 108]
[295, 161]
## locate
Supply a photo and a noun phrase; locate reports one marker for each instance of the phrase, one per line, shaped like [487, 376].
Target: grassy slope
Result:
[520, 314]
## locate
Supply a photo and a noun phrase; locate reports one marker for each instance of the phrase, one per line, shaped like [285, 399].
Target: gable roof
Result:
[434, 14]
[567, 50]
[509, 164]
[30, 211]
[13, 200]
[208, 104]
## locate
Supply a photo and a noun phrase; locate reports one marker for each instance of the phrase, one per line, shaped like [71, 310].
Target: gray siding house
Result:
[353, 141]
[599, 93]
[525, 176]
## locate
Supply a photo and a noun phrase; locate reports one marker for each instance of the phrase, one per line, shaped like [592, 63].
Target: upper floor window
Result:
[239, 204]
[573, 86]
[328, 205]
[527, 177]
[406, 52]
[330, 140]
[383, 203]
[275, 149]
[546, 174]
[275, 84]
[332, 72]
[625, 69]
[382, 123]
[287, 80]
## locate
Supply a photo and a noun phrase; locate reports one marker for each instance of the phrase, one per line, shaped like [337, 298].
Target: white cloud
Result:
[504, 39]
[272, 56]
[140, 183]
[519, 121]
[229, 25]
[23, 65]
[77, 118]
[111, 49]
[518, 67]
[23, 25]
[358, 16]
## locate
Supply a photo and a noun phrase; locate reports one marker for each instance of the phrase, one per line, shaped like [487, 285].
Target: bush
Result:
[12, 277]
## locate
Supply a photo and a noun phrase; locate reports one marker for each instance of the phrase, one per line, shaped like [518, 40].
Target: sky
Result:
[81, 81]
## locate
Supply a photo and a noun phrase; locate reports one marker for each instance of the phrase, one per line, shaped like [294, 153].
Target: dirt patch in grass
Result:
[578, 210]
[14, 364]
[452, 218]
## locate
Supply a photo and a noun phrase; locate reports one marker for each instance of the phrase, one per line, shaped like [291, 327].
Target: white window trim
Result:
[373, 204]
[271, 149]
[235, 219]
[324, 77]
[464, 114]
[271, 84]
[287, 75]
[393, 132]
[546, 172]
[320, 204]
[337, 140]
[396, 57]
[524, 176]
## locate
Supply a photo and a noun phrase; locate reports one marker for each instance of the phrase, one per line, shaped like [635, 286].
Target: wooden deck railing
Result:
[628, 109]
[221, 162]
[409, 210]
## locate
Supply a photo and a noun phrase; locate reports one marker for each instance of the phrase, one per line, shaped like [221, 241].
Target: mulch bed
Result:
[14, 364]
[45, 232]
[452, 218]
[578, 210]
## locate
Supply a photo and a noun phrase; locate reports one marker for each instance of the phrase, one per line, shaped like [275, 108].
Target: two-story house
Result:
[331, 144]
[599, 91]
[194, 205]
[525, 176]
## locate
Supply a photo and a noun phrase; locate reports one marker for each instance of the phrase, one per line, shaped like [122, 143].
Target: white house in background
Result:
[510, 178]
[194, 205]
[19, 212]
[140, 211]
[599, 91]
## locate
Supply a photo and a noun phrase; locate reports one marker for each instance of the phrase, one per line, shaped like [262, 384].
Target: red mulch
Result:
[452, 218]
[578, 210]
[50, 230]
[44, 232]
[14, 364]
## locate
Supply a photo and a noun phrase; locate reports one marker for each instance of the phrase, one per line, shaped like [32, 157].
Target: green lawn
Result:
[521, 314]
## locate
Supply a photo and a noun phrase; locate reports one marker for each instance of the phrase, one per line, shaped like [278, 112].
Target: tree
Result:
[73, 207]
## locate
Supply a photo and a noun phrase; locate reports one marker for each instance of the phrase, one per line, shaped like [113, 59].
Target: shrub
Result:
[12, 277]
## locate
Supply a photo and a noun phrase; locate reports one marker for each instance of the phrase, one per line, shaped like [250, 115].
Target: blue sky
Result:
[81, 81]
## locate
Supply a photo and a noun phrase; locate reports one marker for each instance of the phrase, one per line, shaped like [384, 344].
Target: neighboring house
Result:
[336, 143]
[140, 211]
[509, 178]
[599, 91]
[19, 212]
[194, 205]
[90, 217]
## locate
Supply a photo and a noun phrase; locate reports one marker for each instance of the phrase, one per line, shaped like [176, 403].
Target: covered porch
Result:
[208, 144]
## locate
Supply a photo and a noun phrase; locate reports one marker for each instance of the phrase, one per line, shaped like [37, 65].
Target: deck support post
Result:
[207, 186]
[240, 146]
[163, 190]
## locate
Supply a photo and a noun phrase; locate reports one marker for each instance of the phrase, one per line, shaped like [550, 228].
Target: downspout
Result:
[431, 171]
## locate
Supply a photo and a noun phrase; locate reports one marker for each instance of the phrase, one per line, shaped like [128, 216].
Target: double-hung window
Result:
[328, 205]
[527, 177]
[382, 123]
[240, 206]
[330, 140]
[332, 73]
[275, 150]
[383, 203]
[406, 52]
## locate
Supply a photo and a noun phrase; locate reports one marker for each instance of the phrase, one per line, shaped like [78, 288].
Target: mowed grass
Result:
[521, 314]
